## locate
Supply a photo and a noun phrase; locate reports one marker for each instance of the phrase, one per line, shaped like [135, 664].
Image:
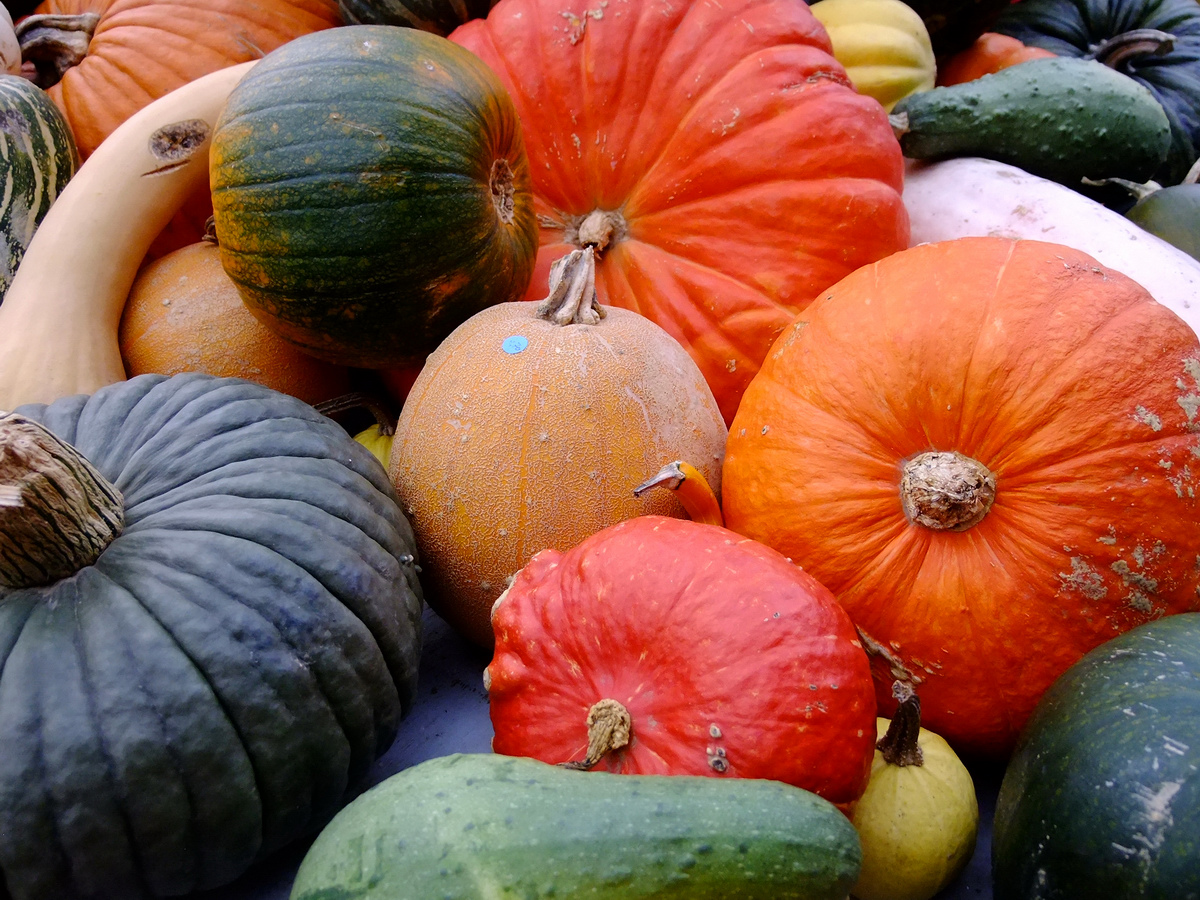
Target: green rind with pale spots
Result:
[1062, 119]
[37, 158]
[352, 175]
[492, 827]
[1102, 796]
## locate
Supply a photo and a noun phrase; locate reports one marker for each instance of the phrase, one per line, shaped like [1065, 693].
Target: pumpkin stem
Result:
[572, 298]
[946, 491]
[359, 400]
[609, 728]
[692, 488]
[504, 193]
[899, 746]
[1138, 190]
[55, 43]
[1119, 51]
[1193, 174]
[58, 513]
[899, 123]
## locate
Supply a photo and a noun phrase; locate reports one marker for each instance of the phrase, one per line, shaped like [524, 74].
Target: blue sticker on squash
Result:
[515, 344]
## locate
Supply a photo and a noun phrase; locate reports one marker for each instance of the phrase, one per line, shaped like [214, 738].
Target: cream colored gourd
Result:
[883, 44]
[59, 319]
[10, 47]
[972, 197]
[918, 818]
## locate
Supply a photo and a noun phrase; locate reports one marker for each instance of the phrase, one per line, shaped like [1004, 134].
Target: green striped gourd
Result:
[37, 158]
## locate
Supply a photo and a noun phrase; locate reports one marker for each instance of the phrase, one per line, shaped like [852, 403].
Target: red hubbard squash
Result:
[110, 58]
[664, 646]
[989, 54]
[715, 154]
[989, 450]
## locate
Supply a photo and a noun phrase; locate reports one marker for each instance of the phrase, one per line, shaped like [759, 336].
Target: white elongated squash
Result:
[972, 197]
[59, 319]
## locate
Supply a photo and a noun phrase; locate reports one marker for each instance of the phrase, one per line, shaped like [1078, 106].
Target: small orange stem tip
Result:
[691, 487]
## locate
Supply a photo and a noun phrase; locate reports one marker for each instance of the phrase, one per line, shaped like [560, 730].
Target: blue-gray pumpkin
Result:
[213, 683]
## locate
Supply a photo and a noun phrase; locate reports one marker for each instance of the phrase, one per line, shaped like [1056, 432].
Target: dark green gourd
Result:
[206, 678]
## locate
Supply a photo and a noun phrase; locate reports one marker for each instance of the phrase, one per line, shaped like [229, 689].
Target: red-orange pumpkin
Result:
[142, 49]
[735, 171]
[699, 651]
[990, 452]
[989, 54]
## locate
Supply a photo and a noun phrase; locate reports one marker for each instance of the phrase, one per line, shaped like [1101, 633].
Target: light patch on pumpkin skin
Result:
[1143, 415]
[1084, 578]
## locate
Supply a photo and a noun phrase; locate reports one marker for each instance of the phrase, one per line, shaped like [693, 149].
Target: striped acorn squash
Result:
[211, 682]
[37, 157]
[371, 192]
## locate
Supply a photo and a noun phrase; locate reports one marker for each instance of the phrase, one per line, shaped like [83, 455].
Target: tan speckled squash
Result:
[522, 433]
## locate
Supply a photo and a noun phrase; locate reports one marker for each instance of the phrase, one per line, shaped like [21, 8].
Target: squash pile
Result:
[792, 402]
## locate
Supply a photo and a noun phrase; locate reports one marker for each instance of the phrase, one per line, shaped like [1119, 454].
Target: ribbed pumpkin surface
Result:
[232, 663]
[37, 158]
[371, 192]
[1065, 380]
[744, 172]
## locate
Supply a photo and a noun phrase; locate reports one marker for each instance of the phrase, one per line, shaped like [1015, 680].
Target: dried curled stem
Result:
[609, 728]
[57, 512]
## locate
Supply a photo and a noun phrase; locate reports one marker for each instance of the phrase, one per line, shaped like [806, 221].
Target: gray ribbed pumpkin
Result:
[37, 159]
[211, 685]
[436, 16]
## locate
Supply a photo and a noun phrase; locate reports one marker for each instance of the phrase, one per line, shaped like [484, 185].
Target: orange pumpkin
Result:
[522, 433]
[140, 50]
[715, 155]
[184, 314]
[990, 452]
[990, 53]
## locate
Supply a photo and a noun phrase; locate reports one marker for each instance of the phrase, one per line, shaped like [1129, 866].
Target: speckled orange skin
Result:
[1066, 380]
[750, 174]
[501, 454]
[185, 315]
[731, 661]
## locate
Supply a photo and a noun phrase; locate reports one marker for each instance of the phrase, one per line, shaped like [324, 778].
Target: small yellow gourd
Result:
[918, 818]
[883, 44]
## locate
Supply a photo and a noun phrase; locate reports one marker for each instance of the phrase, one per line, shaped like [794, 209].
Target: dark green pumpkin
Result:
[1102, 796]
[1074, 27]
[436, 16]
[371, 192]
[37, 159]
[1173, 214]
[216, 681]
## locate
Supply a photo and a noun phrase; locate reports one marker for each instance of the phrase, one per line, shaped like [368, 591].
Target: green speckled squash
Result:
[37, 158]
[437, 16]
[371, 192]
[1102, 797]
[212, 683]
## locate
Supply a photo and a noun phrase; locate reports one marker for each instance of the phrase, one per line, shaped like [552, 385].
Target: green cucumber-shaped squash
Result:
[37, 158]
[1062, 119]
[484, 827]
[1102, 796]
[371, 192]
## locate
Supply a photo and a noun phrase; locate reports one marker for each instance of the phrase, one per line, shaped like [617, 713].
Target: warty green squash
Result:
[199, 668]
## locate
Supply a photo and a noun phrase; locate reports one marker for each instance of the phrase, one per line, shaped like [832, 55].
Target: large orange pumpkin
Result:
[140, 50]
[714, 153]
[990, 452]
[524, 432]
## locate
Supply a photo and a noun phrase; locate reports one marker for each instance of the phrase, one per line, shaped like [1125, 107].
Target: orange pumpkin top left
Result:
[143, 49]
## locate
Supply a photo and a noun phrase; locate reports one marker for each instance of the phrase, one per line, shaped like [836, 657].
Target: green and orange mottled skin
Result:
[371, 192]
[1067, 381]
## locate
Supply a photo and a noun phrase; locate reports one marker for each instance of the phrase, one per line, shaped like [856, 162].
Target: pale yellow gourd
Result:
[60, 316]
[10, 47]
[883, 44]
[919, 817]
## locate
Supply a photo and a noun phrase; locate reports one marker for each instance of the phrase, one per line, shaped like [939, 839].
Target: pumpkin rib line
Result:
[90, 695]
[326, 589]
[353, 178]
